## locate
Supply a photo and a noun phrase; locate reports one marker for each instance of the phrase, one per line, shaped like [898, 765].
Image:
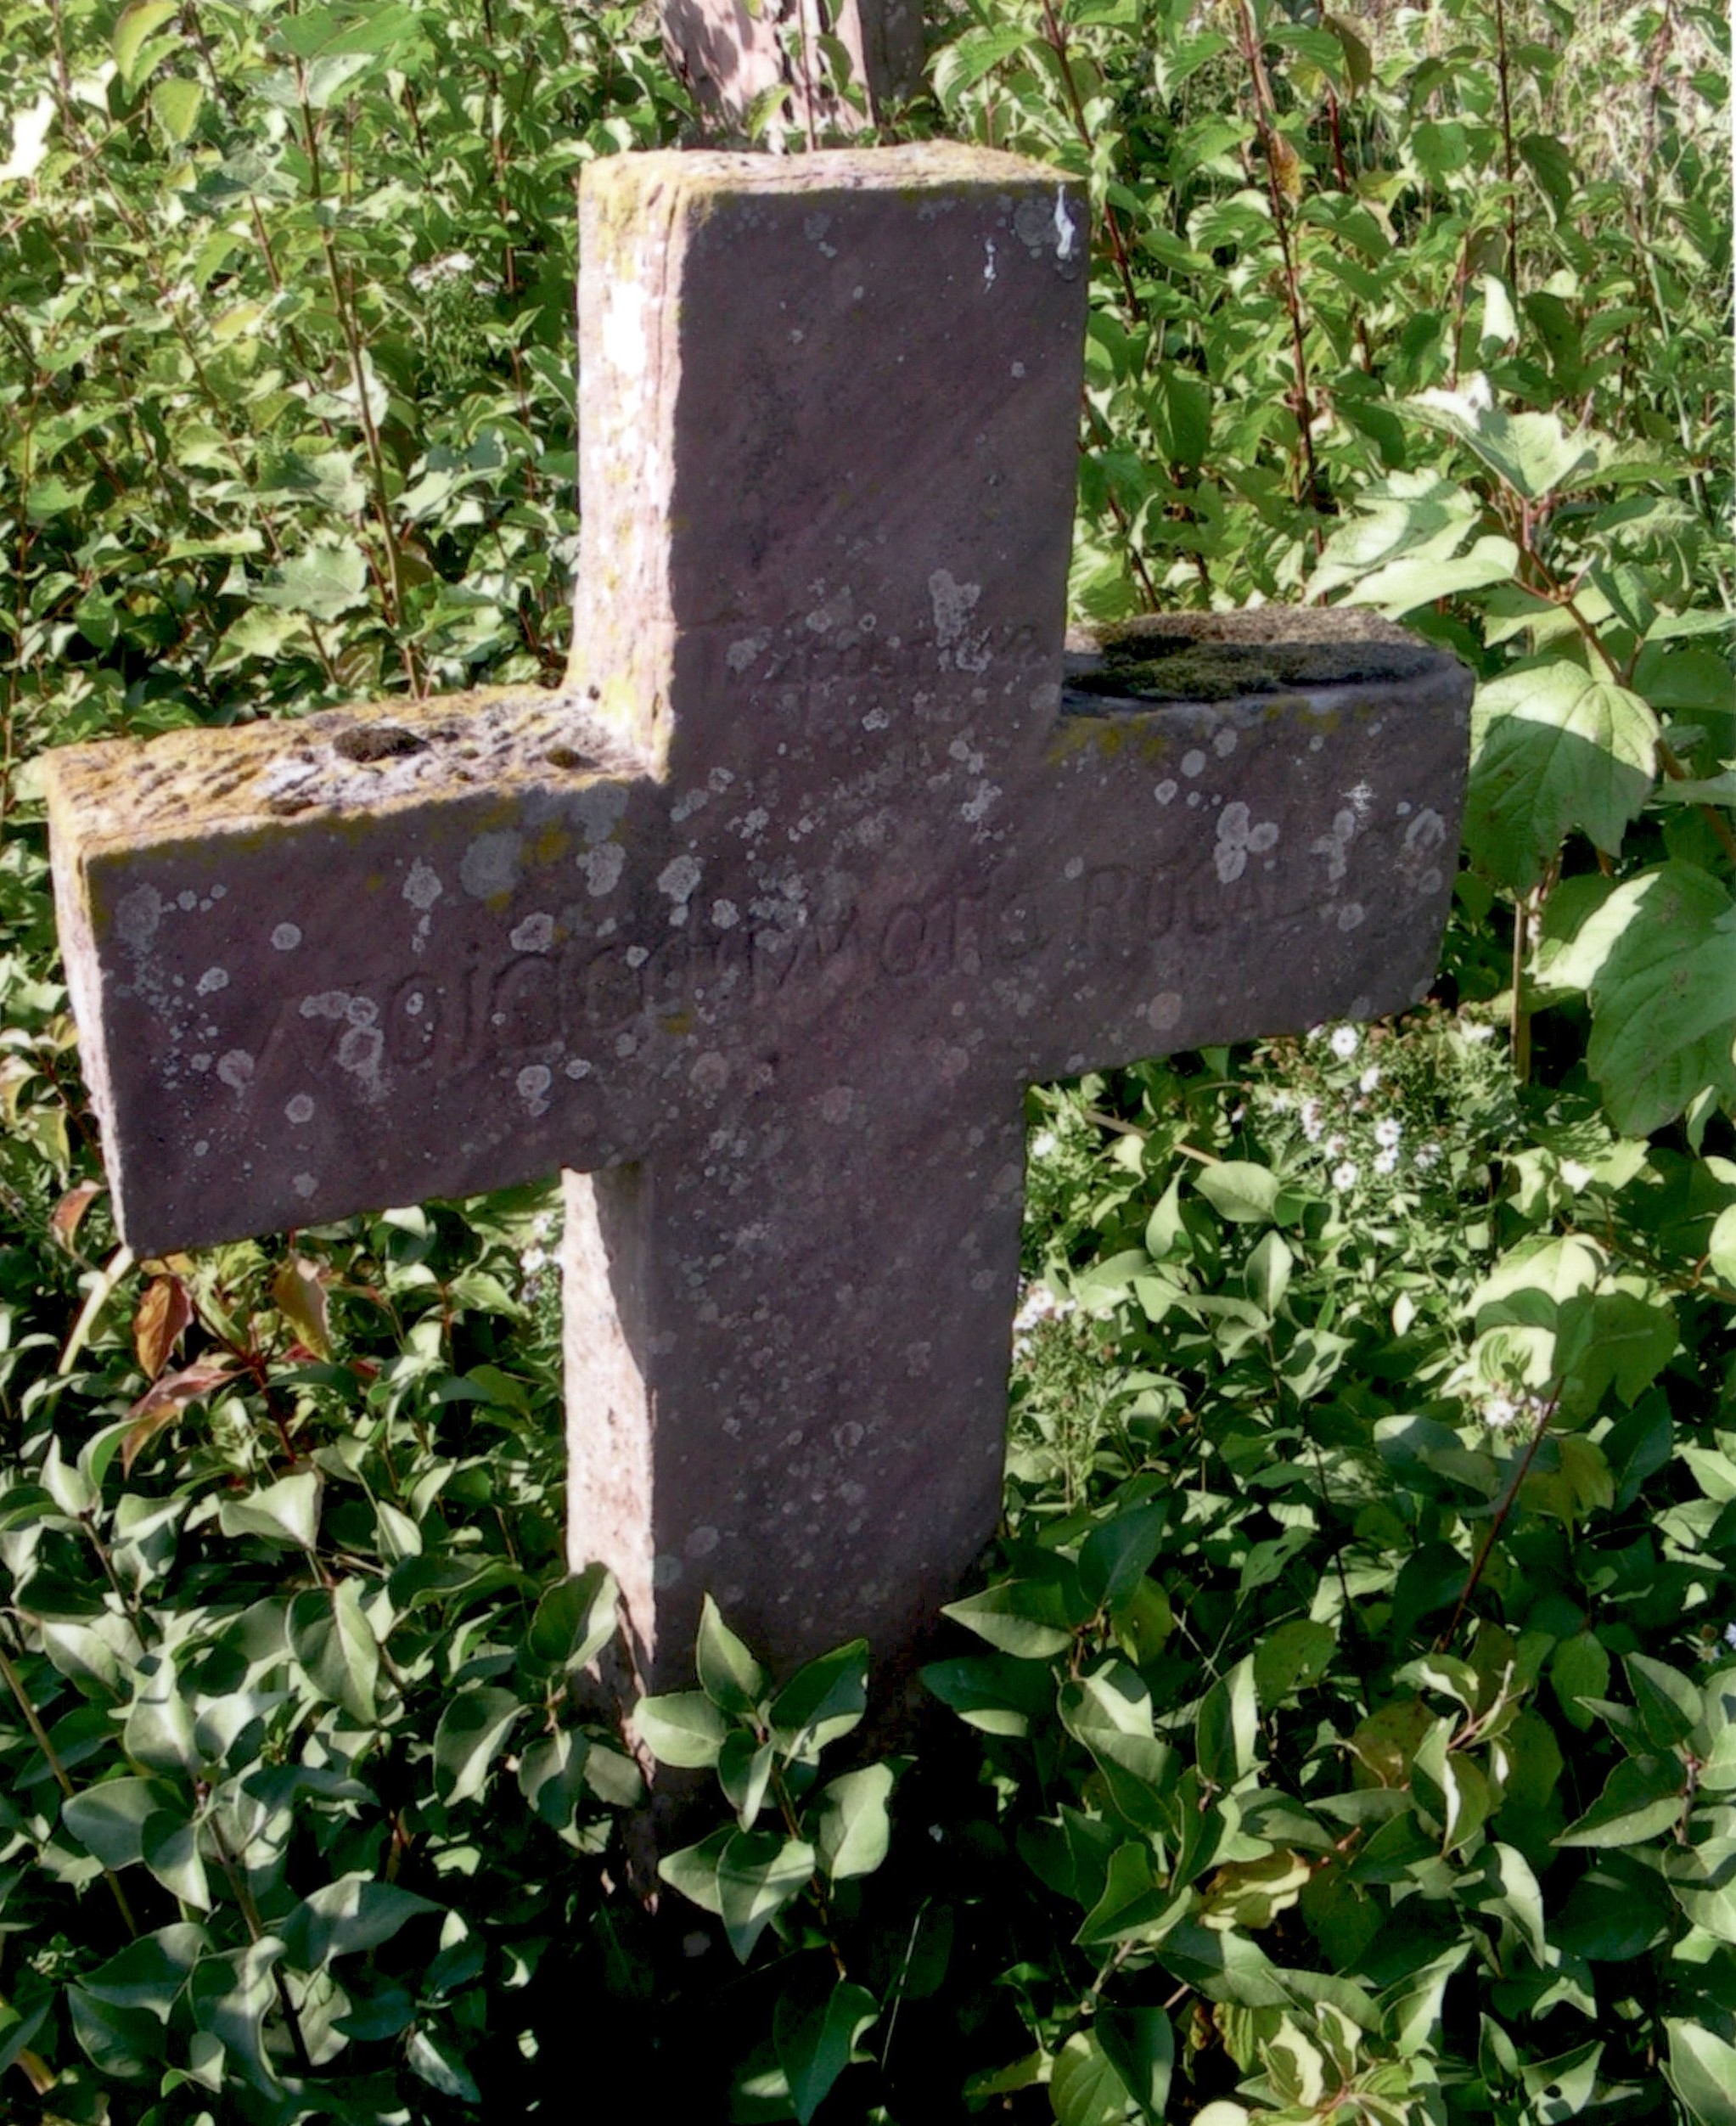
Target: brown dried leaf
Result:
[163, 1313]
[71, 1208]
[1286, 166]
[159, 1406]
[300, 1298]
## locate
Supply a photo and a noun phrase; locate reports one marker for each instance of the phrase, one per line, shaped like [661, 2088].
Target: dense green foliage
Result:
[1346, 1727]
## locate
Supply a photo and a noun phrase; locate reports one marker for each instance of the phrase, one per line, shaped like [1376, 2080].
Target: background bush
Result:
[1346, 1728]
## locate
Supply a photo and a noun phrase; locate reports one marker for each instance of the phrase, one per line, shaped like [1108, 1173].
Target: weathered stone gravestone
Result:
[760, 927]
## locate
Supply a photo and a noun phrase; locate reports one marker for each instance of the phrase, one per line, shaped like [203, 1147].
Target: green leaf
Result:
[1239, 1190]
[759, 1872]
[1226, 1727]
[1402, 585]
[729, 1675]
[1701, 2069]
[150, 1972]
[1085, 2089]
[324, 583]
[340, 1918]
[109, 1820]
[1117, 1554]
[1721, 1246]
[1642, 1796]
[335, 1645]
[286, 1512]
[169, 1848]
[821, 1702]
[125, 2043]
[853, 1827]
[439, 2063]
[1025, 1618]
[553, 1777]
[744, 1767]
[681, 1728]
[575, 1620]
[1532, 453]
[1138, 1903]
[1140, 2044]
[692, 1870]
[473, 1731]
[1290, 1658]
[994, 1692]
[1579, 1669]
[175, 105]
[814, 2043]
[1554, 747]
[132, 31]
[1670, 1708]
[963, 62]
[1659, 959]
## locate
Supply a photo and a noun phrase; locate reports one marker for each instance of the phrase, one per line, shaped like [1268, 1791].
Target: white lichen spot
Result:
[1193, 763]
[200, 1064]
[1018, 368]
[286, 937]
[1350, 915]
[976, 807]
[988, 264]
[679, 878]
[490, 867]
[359, 1051]
[740, 654]
[702, 1542]
[1224, 743]
[1166, 790]
[876, 720]
[1238, 837]
[212, 980]
[599, 805]
[1073, 868]
[603, 868]
[187, 900]
[711, 1073]
[536, 934]
[138, 916]
[838, 1104]
[725, 914]
[298, 1110]
[953, 603]
[533, 1083]
[575, 1066]
[413, 1004]
[303, 1184]
[1335, 847]
[1165, 1009]
[422, 889]
[235, 1068]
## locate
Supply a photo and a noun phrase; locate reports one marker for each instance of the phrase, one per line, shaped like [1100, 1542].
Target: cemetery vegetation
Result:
[1344, 1727]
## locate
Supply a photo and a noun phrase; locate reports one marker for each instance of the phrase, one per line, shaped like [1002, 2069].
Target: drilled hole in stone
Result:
[377, 742]
[285, 805]
[564, 757]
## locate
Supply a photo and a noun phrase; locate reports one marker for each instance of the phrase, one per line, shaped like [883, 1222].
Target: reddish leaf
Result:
[161, 1405]
[300, 1299]
[71, 1208]
[163, 1314]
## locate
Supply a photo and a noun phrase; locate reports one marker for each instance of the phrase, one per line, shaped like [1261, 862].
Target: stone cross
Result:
[760, 927]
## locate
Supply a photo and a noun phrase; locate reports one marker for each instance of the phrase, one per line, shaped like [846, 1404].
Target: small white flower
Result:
[1345, 1041]
[1730, 1635]
[532, 1260]
[1477, 1032]
[1345, 1175]
[1334, 1144]
[1280, 1103]
[1369, 1079]
[1388, 1131]
[1312, 1126]
[1043, 1144]
[1427, 1154]
[1499, 1412]
[1384, 1162]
